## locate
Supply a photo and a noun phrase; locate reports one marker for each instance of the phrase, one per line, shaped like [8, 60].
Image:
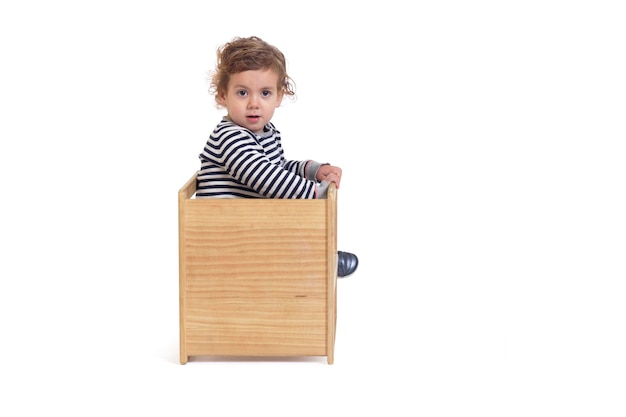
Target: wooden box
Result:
[257, 276]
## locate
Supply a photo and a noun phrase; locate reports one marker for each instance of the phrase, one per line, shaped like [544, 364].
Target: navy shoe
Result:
[346, 263]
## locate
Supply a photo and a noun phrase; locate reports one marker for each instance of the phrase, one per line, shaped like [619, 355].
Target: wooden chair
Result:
[257, 276]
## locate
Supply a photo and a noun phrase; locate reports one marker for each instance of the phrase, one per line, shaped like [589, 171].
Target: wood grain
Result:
[257, 276]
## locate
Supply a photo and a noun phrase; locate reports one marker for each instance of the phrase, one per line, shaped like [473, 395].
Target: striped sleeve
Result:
[237, 163]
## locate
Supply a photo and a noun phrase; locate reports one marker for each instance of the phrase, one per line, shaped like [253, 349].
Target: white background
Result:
[484, 192]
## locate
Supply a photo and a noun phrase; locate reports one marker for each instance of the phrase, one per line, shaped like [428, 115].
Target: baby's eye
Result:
[266, 93]
[242, 93]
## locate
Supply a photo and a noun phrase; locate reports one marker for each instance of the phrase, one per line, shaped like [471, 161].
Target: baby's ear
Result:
[220, 97]
[281, 94]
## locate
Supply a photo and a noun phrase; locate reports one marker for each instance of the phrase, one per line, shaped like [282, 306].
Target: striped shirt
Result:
[237, 163]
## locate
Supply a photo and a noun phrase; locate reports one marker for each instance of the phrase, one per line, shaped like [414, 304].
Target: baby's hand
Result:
[329, 173]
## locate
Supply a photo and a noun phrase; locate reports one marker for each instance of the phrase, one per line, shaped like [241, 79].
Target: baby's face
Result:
[251, 98]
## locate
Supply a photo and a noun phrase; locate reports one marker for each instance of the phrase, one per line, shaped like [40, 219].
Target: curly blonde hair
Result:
[246, 54]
